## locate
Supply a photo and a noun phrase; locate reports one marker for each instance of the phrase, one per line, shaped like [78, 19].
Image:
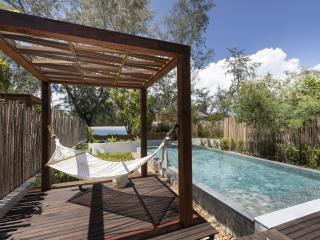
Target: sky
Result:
[280, 34]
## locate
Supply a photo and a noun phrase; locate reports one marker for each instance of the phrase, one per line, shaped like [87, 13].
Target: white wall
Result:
[132, 146]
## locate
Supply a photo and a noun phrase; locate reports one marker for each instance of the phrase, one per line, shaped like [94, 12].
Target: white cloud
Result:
[273, 60]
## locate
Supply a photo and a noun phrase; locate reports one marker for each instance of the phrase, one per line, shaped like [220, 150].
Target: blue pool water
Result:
[259, 186]
[111, 130]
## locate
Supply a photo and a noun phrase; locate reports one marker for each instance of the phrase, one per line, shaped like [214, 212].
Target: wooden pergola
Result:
[71, 54]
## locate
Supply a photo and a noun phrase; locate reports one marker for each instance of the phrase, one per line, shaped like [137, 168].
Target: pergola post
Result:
[184, 138]
[46, 136]
[143, 129]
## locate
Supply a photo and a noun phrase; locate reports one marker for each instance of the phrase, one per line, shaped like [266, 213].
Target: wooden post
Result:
[46, 136]
[143, 129]
[184, 139]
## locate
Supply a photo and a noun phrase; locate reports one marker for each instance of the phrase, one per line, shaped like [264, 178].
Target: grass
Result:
[116, 157]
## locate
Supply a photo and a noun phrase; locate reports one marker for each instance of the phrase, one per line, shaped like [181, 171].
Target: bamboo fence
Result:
[307, 135]
[20, 141]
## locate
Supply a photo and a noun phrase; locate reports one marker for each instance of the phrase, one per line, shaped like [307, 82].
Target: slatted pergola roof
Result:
[66, 53]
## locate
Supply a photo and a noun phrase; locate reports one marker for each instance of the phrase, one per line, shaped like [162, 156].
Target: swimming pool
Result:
[259, 186]
[110, 130]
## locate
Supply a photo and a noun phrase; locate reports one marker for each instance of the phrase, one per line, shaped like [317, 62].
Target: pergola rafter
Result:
[65, 53]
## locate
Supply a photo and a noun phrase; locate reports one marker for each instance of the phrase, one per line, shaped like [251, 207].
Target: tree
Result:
[256, 105]
[4, 76]
[222, 104]
[127, 103]
[240, 67]
[203, 100]
[186, 24]
[21, 80]
[305, 101]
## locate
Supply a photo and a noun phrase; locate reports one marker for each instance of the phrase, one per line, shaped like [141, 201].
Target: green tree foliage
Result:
[240, 67]
[256, 104]
[305, 102]
[127, 103]
[186, 23]
[4, 76]
[21, 80]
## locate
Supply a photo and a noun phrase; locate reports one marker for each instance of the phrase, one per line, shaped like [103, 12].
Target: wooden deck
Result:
[145, 209]
[304, 228]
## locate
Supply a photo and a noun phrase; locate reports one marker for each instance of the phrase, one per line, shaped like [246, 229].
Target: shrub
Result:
[82, 146]
[224, 144]
[280, 153]
[216, 143]
[233, 145]
[266, 148]
[116, 157]
[252, 147]
[112, 139]
[209, 143]
[240, 146]
[202, 143]
[292, 154]
[310, 156]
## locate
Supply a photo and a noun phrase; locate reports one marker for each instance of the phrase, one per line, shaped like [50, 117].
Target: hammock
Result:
[84, 166]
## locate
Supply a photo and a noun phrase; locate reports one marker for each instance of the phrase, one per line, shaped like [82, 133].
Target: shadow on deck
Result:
[146, 208]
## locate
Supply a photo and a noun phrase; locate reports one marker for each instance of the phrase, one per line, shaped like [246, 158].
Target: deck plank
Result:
[145, 208]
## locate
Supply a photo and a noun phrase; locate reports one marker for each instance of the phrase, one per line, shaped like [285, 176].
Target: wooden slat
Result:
[38, 41]
[75, 58]
[90, 82]
[166, 69]
[121, 67]
[9, 49]
[144, 209]
[41, 49]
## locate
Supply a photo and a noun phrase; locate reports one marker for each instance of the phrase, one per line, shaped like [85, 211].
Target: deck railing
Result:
[20, 141]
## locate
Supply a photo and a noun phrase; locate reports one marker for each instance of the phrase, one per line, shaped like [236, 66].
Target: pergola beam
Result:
[42, 27]
[9, 49]
[143, 129]
[46, 121]
[184, 139]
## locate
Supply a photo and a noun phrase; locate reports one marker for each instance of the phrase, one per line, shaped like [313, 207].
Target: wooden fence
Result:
[20, 141]
[309, 135]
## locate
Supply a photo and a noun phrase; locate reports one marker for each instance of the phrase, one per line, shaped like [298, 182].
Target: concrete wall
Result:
[230, 215]
[116, 147]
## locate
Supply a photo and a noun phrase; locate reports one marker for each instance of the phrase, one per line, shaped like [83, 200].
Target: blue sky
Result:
[292, 25]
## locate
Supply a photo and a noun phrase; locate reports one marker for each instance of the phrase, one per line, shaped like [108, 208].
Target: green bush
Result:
[82, 147]
[112, 139]
[233, 145]
[310, 156]
[202, 143]
[60, 177]
[280, 154]
[240, 146]
[252, 147]
[224, 144]
[209, 143]
[293, 154]
[266, 149]
[116, 157]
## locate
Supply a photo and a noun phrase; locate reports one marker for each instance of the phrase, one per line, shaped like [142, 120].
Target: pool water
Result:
[110, 130]
[258, 186]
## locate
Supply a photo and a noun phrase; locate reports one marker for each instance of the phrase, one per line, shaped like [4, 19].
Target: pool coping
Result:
[285, 215]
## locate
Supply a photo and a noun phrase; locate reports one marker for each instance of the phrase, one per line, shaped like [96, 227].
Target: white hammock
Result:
[83, 165]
